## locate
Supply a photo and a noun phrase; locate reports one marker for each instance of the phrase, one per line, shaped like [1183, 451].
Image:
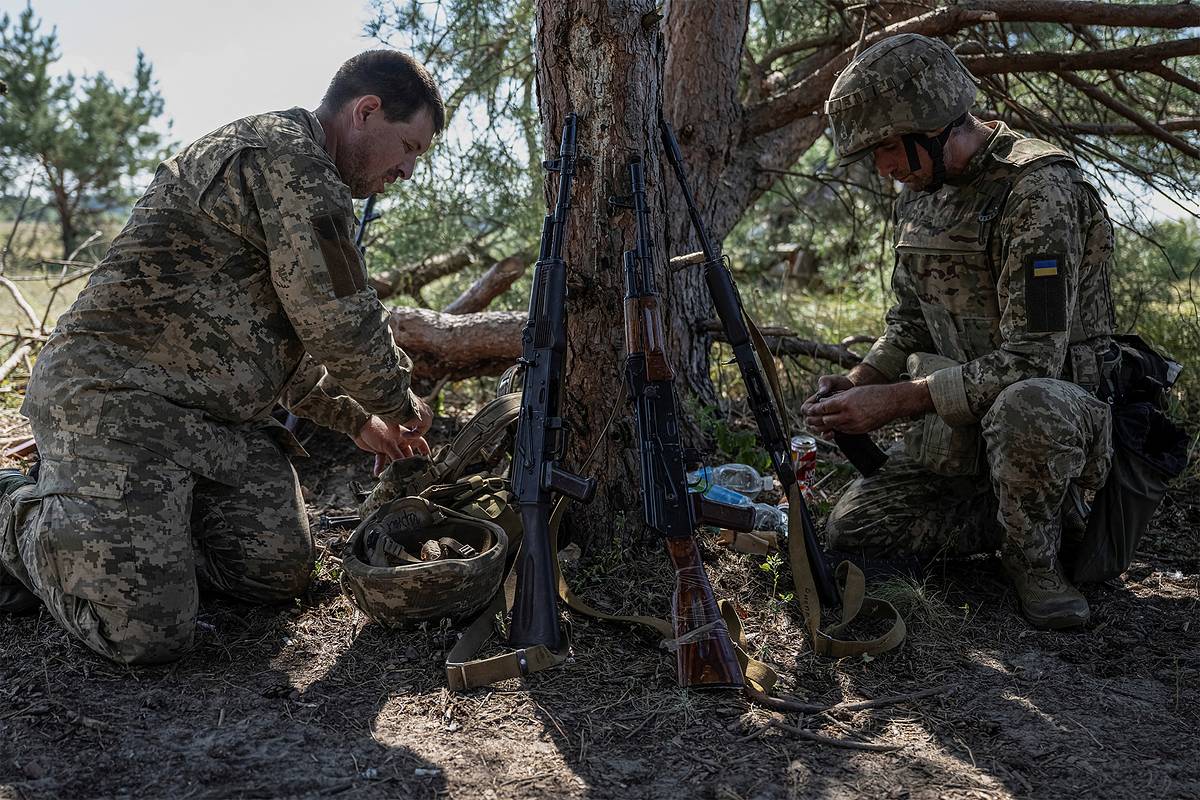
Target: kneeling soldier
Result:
[235, 285]
[996, 339]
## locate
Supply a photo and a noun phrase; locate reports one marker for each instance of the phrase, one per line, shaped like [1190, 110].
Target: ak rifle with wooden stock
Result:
[541, 436]
[767, 415]
[705, 654]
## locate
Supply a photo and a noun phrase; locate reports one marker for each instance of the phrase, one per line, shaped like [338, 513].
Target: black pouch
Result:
[1148, 451]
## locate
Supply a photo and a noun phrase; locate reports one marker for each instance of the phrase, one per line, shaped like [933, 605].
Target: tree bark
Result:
[603, 60]
[700, 100]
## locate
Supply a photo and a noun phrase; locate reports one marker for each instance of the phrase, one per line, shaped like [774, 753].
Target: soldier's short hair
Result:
[403, 85]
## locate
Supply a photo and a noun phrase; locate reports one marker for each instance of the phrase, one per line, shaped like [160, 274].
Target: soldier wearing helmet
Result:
[996, 339]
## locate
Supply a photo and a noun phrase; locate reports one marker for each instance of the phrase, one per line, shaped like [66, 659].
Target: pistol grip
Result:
[574, 486]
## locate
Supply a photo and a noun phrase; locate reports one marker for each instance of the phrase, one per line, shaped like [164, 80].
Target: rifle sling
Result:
[463, 672]
[856, 603]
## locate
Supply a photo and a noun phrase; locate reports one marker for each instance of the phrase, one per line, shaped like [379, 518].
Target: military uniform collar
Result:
[1000, 135]
[307, 120]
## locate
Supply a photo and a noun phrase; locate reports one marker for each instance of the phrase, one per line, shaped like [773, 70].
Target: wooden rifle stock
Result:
[705, 656]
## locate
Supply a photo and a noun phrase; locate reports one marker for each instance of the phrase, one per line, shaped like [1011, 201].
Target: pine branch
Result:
[1022, 123]
[1145, 57]
[1150, 127]
[808, 95]
[1166, 73]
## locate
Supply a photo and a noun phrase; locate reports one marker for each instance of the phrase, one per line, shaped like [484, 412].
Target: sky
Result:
[219, 60]
[215, 60]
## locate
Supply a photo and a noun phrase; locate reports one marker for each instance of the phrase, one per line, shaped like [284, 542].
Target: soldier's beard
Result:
[355, 173]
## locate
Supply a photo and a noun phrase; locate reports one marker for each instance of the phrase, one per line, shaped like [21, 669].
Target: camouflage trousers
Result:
[117, 541]
[1039, 437]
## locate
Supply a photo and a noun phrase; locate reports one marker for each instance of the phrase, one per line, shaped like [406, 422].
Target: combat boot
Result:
[1048, 600]
[14, 597]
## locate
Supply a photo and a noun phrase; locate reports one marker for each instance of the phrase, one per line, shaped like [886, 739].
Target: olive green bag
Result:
[1148, 451]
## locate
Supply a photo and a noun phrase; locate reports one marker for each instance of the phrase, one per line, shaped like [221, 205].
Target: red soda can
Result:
[804, 460]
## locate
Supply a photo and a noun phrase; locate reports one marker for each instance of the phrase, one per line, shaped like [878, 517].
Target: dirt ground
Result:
[313, 700]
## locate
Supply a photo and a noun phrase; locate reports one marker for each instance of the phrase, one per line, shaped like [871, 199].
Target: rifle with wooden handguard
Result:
[771, 431]
[705, 654]
[541, 437]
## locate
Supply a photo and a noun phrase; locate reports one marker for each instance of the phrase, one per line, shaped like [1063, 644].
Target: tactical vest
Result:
[948, 245]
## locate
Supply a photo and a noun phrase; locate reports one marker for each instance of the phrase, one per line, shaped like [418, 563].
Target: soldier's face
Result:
[383, 152]
[891, 161]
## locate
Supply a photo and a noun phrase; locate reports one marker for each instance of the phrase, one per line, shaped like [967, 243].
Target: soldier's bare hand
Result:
[827, 385]
[390, 441]
[856, 409]
[862, 409]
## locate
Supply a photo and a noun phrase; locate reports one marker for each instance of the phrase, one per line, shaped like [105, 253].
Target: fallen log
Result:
[14, 360]
[457, 346]
[489, 286]
[410, 279]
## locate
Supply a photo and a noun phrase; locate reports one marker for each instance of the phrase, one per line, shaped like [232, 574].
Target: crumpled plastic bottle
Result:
[703, 481]
[743, 479]
[770, 518]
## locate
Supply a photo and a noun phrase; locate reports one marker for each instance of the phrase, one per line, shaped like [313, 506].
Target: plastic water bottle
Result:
[770, 518]
[743, 479]
[701, 482]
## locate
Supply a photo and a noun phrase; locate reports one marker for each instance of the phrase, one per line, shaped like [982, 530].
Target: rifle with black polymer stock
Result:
[369, 215]
[705, 656]
[541, 437]
[770, 426]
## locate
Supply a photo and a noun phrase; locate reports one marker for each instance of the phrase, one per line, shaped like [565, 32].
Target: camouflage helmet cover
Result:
[904, 84]
[413, 561]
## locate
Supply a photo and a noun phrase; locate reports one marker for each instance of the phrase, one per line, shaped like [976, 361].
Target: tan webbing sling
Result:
[852, 585]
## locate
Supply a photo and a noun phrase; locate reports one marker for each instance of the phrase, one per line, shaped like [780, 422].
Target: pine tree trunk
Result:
[704, 40]
[603, 60]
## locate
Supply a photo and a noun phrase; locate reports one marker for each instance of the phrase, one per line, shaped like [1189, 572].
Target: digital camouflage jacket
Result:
[235, 285]
[1005, 270]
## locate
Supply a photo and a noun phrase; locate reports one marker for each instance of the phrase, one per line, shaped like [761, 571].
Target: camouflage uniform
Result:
[234, 286]
[1003, 303]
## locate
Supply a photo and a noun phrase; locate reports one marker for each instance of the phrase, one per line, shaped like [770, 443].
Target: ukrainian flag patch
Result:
[1045, 267]
[1045, 293]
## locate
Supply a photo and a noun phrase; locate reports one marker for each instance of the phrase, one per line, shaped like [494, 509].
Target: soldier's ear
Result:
[364, 107]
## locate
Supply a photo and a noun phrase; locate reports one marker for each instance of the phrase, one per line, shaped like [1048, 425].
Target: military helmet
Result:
[906, 84]
[414, 561]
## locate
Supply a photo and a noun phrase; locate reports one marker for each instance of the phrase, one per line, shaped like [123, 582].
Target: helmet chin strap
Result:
[933, 145]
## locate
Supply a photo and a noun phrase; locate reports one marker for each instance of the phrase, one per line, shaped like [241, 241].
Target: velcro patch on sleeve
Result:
[341, 257]
[1045, 294]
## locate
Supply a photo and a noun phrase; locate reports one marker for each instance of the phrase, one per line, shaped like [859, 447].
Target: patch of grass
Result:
[921, 603]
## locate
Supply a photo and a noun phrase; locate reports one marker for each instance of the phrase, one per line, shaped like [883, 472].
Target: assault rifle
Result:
[541, 436]
[733, 318]
[705, 657]
[369, 215]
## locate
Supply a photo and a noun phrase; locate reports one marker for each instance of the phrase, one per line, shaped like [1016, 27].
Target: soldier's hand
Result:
[390, 441]
[826, 386]
[856, 409]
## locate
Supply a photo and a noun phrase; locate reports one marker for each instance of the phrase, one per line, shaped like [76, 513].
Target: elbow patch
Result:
[1045, 294]
[345, 270]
